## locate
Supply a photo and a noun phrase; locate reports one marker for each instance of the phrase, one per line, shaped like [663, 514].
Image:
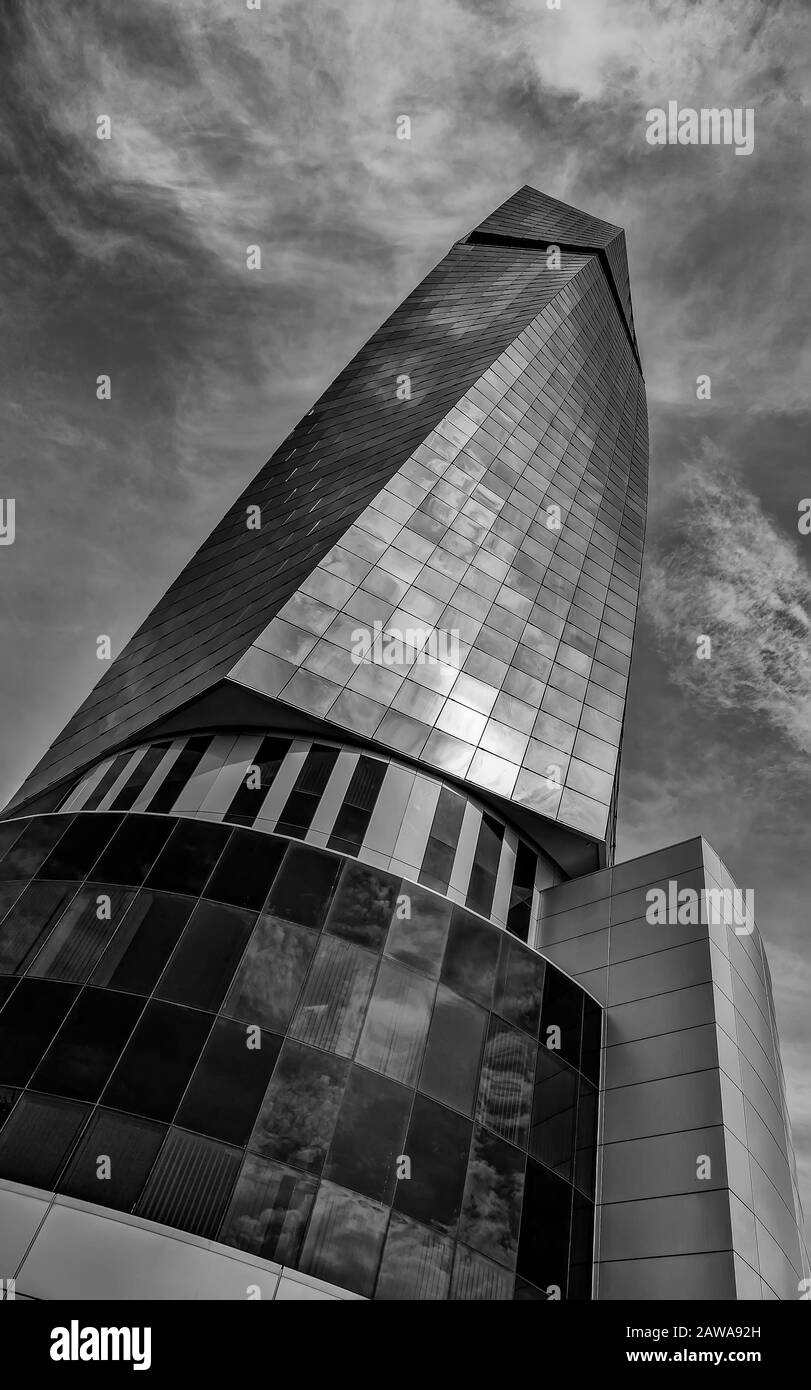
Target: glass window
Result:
[88, 1045]
[27, 1025]
[138, 778]
[505, 1092]
[369, 1135]
[32, 846]
[36, 1138]
[28, 923]
[191, 852]
[419, 929]
[9, 893]
[246, 870]
[450, 1072]
[519, 986]
[133, 849]
[10, 831]
[7, 984]
[344, 1239]
[581, 1251]
[259, 779]
[470, 960]
[362, 908]
[300, 1109]
[484, 872]
[113, 1160]
[269, 1211]
[230, 1080]
[207, 955]
[184, 765]
[102, 787]
[83, 931]
[332, 1006]
[521, 893]
[586, 1147]
[561, 1016]
[143, 943]
[543, 1250]
[416, 1263]
[79, 847]
[592, 1035]
[353, 818]
[396, 1025]
[476, 1279]
[8, 1095]
[553, 1114]
[440, 851]
[492, 1202]
[159, 1059]
[301, 804]
[437, 1148]
[268, 982]
[190, 1184]
[303, 888]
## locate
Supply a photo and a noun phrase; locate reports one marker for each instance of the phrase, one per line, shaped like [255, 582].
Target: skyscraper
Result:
[318, 974]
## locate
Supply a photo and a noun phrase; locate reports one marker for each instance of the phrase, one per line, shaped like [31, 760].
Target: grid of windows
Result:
[331, 1066]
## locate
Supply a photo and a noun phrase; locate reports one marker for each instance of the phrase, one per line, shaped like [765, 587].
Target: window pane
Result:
[418, 936]
[479, 1280]
[138, 778]
[492, 1202]
[470, 960]
[28, 923]
[369, 1135]
[190, 1184]
[10, 832]
[450, 1071]
[84, 929]
[80, 846]
[562, 1012]
[304, 886]
[416, 1263]
[159, 1059]
[269, 1211]
[230, 1081]
[8, 1095]
[32, 846]
[27, 1025]
[553, 1114]
[246, 870]
[143, 943]
[209, 951]
[191, 852]
[247, 802]
[437, 1146]
[334, 1000]
[268, 982]
[179, 773]
[543, 1251]
[36, 1137]
[592, 1034]
[344, 1240]
[130, 1145]
[586, 1152]
[298, 1114]
[133, 849]
[519, 986]
[396, 1026]
[485, 866]
[353, 818]
[9, 893]
[505, 1093]
[581, 1251]
[363, 906]
[88, 1045]
[301, 804]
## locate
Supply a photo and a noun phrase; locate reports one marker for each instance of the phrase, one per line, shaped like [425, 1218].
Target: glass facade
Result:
[293, 1053]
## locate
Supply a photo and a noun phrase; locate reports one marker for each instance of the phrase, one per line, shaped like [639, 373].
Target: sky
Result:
[276, 126]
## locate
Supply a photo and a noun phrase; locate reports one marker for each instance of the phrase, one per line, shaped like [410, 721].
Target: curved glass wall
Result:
[290, 1052]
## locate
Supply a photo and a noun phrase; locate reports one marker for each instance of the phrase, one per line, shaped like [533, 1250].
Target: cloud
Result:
[730, 574]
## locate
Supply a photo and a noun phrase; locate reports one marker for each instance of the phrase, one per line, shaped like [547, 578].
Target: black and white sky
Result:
[275, 126]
